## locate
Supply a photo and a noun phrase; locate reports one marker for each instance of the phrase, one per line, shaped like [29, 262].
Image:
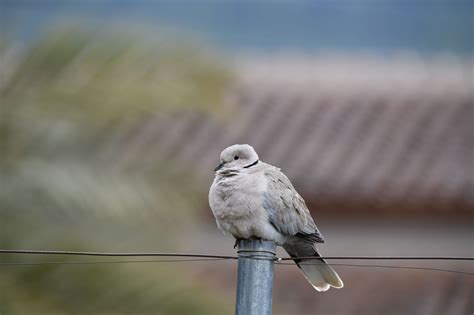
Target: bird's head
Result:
[236, 157]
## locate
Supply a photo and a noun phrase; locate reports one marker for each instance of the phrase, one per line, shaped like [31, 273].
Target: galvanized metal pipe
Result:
[255, 277]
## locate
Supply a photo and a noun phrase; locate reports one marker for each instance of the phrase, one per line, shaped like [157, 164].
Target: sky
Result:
[380, 26]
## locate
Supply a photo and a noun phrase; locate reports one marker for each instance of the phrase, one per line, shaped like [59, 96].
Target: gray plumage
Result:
[253, 199]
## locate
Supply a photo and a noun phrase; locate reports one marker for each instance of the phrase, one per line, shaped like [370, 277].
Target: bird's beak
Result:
[219, 166]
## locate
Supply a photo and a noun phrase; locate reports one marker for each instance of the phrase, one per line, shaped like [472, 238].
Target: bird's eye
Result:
[236, 157]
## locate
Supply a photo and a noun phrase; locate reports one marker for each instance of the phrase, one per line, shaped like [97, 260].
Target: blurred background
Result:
[113, 115]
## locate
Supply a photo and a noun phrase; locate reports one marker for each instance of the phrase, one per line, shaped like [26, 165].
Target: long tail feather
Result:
[318, 273]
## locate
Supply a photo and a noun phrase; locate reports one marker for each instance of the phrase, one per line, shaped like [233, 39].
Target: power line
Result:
[396, 267]
[220, 259]
[81, 253]
[191, 255]
[382, 258]
[107, 262]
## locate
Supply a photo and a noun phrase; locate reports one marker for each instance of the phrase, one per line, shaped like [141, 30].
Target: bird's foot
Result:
[236, 244]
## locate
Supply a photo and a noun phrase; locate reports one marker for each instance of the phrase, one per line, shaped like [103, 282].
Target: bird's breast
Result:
[237, 204]
[236, 197]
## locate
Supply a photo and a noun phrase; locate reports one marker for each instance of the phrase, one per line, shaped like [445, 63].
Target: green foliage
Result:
[64, 185]
[104, 74]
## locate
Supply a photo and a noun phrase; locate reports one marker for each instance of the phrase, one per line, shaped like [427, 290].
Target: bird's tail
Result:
[319, 274]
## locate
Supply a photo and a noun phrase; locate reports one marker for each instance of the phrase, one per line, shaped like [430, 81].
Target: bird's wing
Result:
[286, 208]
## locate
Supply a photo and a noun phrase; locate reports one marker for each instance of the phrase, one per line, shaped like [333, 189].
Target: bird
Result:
[251, 199]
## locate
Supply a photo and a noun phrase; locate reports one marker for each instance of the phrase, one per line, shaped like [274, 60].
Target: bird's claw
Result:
[237, 240]
[236, 244]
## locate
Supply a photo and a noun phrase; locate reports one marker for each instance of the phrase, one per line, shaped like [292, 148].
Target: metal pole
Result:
[255, 277]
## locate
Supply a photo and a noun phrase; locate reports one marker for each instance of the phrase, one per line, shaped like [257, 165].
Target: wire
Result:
[217, 259]
[394, 267]
[151, 254]
[382, 258]
[58, 252]
[106, 262]
[188, 257]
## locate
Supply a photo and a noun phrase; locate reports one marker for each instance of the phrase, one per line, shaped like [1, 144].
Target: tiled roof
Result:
[388, 133]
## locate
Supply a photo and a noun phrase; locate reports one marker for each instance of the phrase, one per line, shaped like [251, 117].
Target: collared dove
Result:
[253, 199]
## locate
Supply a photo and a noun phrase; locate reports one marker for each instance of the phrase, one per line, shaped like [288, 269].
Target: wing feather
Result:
[287, 210]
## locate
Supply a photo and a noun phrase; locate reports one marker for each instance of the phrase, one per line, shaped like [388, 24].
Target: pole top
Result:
[256, 247]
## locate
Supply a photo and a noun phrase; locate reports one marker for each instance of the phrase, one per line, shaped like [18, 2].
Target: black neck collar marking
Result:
[250, 165]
